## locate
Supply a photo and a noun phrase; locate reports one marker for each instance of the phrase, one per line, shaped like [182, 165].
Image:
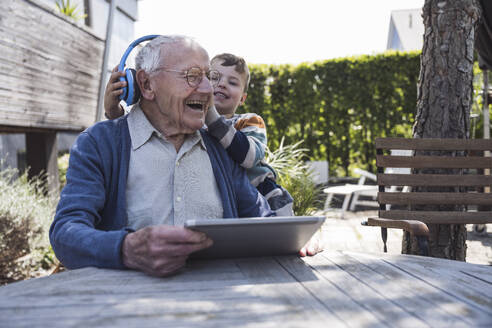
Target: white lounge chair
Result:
[354, 191]
[319, 171]
[351, 189]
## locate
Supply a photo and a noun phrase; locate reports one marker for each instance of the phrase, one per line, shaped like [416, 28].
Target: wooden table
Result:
[332, 289]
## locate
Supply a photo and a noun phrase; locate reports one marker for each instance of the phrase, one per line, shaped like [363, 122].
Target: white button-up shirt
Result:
[165, 186]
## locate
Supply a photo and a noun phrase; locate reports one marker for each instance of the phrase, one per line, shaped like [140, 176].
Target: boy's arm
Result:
[112, 107]
[245, 143]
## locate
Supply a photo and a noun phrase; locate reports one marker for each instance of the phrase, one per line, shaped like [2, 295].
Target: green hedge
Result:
[337, 106]
[476, 122]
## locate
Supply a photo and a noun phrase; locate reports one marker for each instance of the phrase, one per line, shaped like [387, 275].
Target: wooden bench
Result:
[449, 181]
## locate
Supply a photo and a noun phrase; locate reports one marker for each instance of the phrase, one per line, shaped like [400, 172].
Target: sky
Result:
[276, 31]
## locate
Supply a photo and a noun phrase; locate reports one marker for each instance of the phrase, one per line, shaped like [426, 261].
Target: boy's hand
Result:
[112, 108]
[314, 246]
[212, 115]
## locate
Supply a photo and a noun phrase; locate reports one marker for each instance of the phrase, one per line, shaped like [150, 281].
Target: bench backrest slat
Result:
[434, 198]
[444, 180]
[440, 162]
[433, 144]
[441, 217]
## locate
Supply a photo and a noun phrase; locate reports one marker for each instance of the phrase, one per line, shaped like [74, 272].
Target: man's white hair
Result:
[149, 57]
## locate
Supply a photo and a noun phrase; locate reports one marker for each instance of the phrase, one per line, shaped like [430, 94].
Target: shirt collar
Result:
[141, 130]
[197, 137]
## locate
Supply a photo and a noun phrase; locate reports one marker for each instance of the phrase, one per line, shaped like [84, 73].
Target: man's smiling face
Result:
[183, 106]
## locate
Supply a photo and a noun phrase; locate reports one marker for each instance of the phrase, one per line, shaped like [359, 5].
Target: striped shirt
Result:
[245, 139]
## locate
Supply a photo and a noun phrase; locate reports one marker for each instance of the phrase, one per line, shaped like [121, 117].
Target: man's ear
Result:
[243, 98]
[146, 89]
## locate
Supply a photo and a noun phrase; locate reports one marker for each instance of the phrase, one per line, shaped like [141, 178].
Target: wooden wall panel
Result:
[50, 69]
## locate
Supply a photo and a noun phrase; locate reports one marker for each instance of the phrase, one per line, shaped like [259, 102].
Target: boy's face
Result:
[229, 93]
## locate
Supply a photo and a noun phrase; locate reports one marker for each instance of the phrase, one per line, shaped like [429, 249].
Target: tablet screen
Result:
[250, 237]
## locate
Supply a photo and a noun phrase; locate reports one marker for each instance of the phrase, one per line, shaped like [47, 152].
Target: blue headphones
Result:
[131, 93]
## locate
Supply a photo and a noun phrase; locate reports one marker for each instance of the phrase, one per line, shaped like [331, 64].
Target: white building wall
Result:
[406, 30]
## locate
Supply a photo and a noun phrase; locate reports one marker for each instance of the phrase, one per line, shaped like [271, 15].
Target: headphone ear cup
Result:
[136, 88]
[133, 91]
[124, 95]
[128, 96]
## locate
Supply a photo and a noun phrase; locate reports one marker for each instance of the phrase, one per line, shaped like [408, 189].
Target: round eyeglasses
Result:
[195, 75]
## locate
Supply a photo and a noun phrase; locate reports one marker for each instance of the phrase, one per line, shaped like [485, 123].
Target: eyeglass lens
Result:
[195, 75]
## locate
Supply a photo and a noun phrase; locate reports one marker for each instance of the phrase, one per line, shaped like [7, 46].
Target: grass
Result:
[295, 176]
[25, 216]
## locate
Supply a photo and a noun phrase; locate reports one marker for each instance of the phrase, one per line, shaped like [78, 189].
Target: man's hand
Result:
[161, 250]
[112, 107]
[313, 246]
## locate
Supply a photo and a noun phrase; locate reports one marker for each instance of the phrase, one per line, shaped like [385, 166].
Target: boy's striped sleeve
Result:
[245, 141]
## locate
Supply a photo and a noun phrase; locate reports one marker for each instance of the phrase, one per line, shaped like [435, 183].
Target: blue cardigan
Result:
[90, 220]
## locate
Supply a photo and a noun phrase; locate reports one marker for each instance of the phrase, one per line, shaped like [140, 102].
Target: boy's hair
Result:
[239, 65]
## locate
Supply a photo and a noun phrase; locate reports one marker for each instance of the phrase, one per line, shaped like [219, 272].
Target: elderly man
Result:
[132, 182]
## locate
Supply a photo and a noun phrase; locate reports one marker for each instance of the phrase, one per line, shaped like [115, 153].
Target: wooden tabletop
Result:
[332, 289]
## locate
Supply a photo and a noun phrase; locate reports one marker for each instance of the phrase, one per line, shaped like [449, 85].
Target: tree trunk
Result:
[444, 99]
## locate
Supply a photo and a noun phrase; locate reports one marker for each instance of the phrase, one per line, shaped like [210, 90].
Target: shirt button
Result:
[178, 199]
[177, 163]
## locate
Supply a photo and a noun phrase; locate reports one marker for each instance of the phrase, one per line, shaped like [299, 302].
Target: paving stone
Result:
[348, 234]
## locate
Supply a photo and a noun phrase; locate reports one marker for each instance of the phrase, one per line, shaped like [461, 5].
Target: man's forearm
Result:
[78, 245]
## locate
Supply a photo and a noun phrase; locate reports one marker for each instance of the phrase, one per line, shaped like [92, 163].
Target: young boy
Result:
[242, 135]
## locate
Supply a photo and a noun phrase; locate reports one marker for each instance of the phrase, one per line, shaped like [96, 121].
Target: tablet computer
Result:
[255, 236]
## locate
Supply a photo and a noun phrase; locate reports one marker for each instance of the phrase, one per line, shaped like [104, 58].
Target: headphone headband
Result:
[130, 92]
[132, 45]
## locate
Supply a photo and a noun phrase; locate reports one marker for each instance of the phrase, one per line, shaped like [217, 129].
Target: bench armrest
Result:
[414, 227]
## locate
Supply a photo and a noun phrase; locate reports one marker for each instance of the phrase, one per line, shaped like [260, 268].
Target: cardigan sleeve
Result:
[73, 234]
[250, 203]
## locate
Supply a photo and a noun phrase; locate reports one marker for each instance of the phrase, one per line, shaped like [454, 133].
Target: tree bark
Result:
[444, 99]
